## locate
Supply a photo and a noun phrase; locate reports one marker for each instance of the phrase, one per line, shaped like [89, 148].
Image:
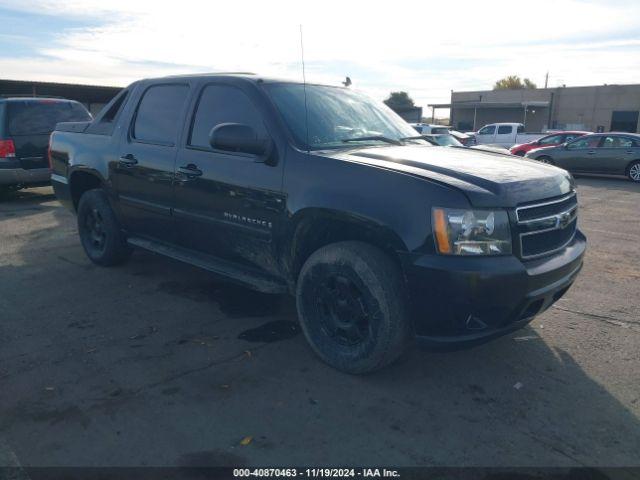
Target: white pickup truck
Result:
[504, 134]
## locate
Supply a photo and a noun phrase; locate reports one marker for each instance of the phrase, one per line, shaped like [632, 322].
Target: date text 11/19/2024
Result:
[316, 472]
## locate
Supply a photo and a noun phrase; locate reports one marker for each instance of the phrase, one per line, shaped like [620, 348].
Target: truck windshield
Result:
[335, 115]
[39, 117]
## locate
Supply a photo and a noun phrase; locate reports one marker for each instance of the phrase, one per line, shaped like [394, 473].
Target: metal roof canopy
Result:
[480, 105]
[81, 93]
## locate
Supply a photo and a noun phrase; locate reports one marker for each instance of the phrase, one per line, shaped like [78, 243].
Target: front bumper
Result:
[469, 300]
[20, 176]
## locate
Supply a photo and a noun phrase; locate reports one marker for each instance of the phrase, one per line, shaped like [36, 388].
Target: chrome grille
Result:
[546, 227]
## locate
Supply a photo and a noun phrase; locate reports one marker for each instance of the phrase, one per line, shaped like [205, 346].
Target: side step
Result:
[247, 276]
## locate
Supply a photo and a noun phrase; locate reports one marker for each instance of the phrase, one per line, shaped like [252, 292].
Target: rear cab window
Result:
[39, 117]
[105, 122]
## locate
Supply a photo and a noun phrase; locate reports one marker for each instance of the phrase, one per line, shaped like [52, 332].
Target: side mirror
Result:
[237, 137]
[565, 146]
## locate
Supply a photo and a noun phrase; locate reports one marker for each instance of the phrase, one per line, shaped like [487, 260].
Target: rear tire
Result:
[352, 307]
[633, 171]
[101, 236]
[545, 159]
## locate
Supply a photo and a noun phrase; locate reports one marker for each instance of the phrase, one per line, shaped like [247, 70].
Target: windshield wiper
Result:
[373, 137]
[428, 138]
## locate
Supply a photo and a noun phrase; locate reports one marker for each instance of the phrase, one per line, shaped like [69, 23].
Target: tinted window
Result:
[223, 104]
[503, 129]
[551, 140]
[441, 130]
[487, 130]
[39, 117]
[617, 142]
[115, 107]
[586, 142]
[105, 122]
[159, 114]
[520, 128]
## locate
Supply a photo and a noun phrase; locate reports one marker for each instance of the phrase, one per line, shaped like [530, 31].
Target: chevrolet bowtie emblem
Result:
[563, 219]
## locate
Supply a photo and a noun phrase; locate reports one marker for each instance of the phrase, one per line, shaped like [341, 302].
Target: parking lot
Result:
[143, 365]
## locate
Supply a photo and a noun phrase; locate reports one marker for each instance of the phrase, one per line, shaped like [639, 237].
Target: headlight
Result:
[471, 232]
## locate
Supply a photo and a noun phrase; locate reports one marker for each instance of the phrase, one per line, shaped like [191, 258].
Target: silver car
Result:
[608, 153]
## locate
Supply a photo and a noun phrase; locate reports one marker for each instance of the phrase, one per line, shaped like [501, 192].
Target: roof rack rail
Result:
[204, 74]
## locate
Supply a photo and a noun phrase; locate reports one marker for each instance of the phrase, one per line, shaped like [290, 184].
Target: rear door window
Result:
[504, 129]
[159, 114]
[583, 143]
[39, 117]
[617, 142]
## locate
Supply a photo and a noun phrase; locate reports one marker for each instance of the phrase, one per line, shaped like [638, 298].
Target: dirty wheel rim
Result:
[634, 172]
[343, 311]
[94, 230]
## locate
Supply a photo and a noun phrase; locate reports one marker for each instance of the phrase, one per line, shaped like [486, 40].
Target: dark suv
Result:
[25, 126]
[323, 193]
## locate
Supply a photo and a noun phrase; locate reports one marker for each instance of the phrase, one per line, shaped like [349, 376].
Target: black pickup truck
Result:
[320, 192]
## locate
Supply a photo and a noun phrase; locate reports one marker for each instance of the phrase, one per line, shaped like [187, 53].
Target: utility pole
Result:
[546, 80]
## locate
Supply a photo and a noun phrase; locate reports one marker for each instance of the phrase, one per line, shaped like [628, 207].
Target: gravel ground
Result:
[142, 365]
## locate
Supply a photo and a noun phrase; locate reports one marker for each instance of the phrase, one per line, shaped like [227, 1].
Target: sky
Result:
[426, 48]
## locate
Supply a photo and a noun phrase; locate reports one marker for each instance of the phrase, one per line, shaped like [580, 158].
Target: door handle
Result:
[128, 160]
[190, 171]
[591, 152]
[629, 152]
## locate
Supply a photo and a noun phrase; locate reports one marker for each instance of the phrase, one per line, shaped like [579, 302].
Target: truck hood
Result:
[487, 179]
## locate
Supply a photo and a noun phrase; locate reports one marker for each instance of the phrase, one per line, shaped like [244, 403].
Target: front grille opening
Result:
[532, 309]
[545, 210]
[544, 242]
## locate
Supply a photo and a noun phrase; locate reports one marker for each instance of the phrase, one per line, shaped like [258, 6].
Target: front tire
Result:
[352, 307]
[100, 233]
[633, 171]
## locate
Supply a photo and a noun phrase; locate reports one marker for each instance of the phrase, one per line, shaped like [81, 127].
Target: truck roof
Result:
[249, 76]
[35, 99]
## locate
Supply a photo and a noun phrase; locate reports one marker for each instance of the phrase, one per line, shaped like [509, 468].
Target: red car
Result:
[551, 140]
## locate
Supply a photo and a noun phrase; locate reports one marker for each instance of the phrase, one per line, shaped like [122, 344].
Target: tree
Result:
[513, 82]
[399, 101]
